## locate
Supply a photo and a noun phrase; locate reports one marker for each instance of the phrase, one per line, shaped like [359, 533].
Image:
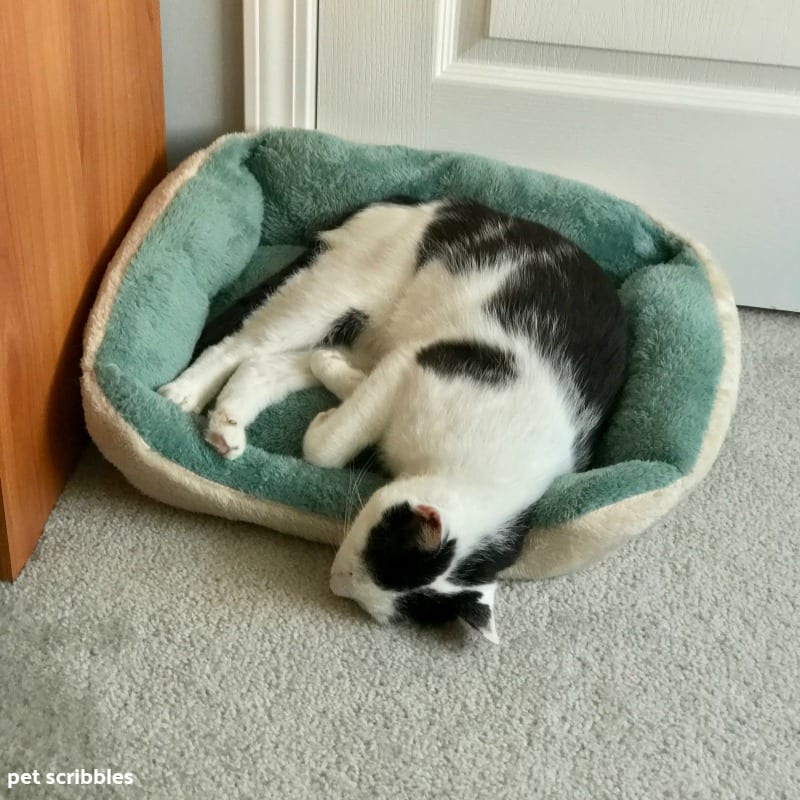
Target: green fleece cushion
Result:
[256, 202]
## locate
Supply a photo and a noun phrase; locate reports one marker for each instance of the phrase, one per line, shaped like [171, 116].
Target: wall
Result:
[203, 72]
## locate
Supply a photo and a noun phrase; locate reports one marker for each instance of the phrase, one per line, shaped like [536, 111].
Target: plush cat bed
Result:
[246, 206]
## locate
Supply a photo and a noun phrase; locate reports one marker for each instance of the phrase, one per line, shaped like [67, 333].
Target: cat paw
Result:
[332, 369]
[226, 435]
[324, 362]
[317, 444]
[182, 395]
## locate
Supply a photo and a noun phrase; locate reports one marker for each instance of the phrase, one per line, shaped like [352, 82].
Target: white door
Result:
[690, 108]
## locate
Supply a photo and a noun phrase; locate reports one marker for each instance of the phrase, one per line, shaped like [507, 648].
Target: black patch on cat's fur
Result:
[498, 554]
[558, 297]
[465, 235]
[472, 359]
[346, 329]
[403, 200]
[427, 607]
[230, 320]
[393, 554]
[562, 301]
[476, 614]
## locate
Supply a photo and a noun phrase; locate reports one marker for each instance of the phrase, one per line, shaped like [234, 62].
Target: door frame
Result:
[280, 64]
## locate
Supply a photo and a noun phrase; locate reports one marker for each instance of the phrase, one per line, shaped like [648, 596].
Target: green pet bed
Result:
[247, 205]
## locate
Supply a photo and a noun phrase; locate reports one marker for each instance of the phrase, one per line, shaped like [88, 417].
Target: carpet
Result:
[207, 659]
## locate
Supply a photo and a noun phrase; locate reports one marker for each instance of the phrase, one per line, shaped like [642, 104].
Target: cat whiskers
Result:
[353, 493]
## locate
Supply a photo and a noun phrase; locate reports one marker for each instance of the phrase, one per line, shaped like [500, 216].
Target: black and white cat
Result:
[480, 352]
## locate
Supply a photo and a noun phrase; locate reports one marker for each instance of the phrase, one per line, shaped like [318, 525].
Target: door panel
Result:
[708, 145]
[767, 32]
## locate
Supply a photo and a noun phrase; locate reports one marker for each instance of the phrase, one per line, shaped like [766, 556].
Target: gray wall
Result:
[203, 72]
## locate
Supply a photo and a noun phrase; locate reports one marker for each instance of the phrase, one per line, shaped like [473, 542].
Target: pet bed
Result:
[247, 205]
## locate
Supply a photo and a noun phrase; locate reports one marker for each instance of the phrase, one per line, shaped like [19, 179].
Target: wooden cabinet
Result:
[81, 144]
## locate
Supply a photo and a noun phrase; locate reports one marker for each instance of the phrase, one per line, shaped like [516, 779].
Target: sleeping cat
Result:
[480, 352]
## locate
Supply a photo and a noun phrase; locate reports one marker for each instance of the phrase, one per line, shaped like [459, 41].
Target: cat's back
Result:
[512, 308]
[478, 268]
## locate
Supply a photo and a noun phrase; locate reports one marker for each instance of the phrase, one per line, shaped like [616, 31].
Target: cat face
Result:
[401, 561]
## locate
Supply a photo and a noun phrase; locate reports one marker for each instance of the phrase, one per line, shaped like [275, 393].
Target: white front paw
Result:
[226, 435]
[183, 394]
[335, 372]
[324, 363]
[317, 444]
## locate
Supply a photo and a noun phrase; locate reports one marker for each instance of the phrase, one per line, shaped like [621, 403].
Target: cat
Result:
[480, 352]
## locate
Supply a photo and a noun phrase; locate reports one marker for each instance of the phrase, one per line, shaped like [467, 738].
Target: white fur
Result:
[477, 453]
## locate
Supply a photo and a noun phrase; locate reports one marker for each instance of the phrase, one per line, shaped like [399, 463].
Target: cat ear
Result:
[431, 529]
[479, 614]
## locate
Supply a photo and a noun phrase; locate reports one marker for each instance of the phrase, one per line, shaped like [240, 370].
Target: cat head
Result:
[408, 560]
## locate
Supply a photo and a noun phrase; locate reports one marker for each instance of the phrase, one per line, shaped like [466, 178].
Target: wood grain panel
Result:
[81, 145]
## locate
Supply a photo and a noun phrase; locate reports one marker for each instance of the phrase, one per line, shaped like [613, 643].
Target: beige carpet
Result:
[209, 660]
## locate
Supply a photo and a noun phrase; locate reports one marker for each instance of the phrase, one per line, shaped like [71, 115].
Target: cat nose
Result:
[342, 583]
